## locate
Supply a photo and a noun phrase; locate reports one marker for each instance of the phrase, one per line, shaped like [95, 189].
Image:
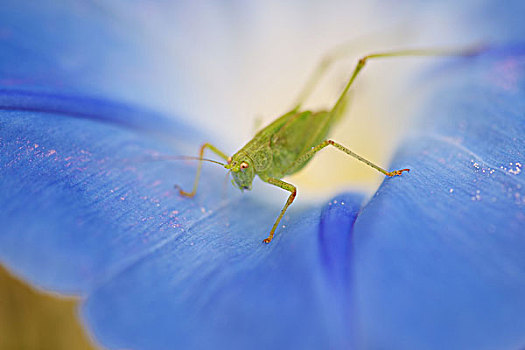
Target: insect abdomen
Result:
[304, 131]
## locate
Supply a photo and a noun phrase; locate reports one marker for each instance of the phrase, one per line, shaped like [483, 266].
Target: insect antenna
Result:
[165, 158]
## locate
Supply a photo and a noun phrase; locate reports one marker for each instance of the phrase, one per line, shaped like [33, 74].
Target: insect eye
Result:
[244, 165]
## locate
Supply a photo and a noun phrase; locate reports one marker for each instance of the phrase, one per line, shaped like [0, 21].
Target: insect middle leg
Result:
[306, 156]
[197, 176]
[293, 193]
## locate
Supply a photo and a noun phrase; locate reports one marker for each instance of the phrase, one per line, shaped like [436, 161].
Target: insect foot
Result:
[184, 193]
[267, 240]
[397, 172]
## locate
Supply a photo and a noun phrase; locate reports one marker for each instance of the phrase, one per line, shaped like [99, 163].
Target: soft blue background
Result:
[435, 259]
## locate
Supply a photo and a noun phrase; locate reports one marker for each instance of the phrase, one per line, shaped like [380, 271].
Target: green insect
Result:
[287, 144]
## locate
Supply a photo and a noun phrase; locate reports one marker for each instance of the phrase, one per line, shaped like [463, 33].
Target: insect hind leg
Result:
[321, 69]
[401, 53]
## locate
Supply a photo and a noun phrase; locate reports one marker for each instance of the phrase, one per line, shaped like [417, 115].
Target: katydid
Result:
[287, 144]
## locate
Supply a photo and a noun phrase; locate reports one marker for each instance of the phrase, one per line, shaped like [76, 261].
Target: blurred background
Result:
[31, 319]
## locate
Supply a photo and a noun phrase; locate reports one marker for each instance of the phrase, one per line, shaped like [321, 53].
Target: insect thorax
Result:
[261, 157]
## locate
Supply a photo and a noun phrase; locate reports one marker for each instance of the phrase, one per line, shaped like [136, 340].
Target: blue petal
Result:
[439, 256]
[68, 184]
[223, 288]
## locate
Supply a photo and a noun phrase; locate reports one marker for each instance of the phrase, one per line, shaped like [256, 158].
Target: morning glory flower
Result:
[95, 95]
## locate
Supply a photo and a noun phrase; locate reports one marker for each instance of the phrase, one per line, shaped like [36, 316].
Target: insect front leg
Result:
[197, 176]
[293, 192]
[306, 156]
